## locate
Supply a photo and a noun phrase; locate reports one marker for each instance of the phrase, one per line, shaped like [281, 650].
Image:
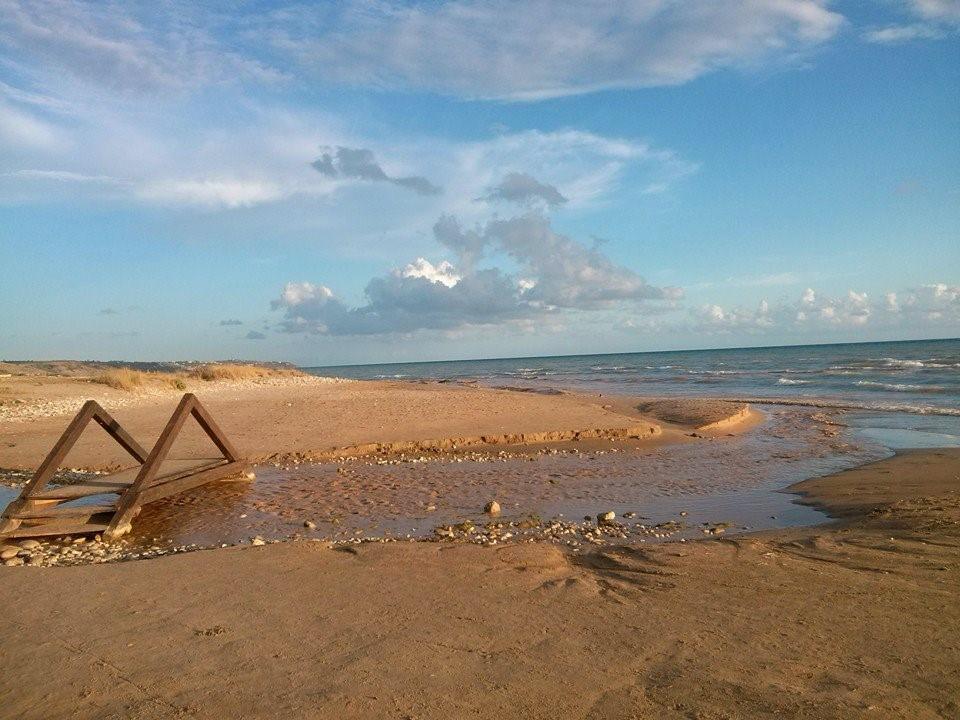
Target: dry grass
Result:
[129, 379]
[121, 379]
[231, 371]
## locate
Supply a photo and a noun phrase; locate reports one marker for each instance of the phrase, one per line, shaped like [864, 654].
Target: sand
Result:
[307, 418]
[858, 619]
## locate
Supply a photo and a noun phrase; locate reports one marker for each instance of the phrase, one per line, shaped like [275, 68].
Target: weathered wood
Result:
[188, 482]
[115, 431]
[71, 492]
[57, 530]
[41, 511]
[65, 511]
[213, 430]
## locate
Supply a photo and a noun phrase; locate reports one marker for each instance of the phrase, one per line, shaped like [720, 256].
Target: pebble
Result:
[29, 544]
[608, 516]
[309, 525]
[258, 541]
[492, 508]
[9, 552]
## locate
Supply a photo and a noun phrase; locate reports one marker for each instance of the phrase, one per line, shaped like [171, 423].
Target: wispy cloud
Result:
[547, 48]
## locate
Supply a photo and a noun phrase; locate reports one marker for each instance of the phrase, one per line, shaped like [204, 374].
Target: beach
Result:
[852, 614]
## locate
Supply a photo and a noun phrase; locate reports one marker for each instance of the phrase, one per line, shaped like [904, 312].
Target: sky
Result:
[377, 181]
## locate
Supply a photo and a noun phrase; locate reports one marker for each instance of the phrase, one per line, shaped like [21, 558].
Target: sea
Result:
[902, 394]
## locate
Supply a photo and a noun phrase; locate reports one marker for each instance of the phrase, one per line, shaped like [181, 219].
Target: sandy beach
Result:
[854, 618]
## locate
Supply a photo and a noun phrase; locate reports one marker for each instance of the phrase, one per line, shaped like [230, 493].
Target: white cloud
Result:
[547, 48]
[443, 273]
[948, 10]
[937, 18]
[936, 304]
[228, 193]
[902, 33]
[63, 176]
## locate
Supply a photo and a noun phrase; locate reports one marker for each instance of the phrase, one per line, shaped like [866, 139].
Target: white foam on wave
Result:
[788, 381]
[898, 387]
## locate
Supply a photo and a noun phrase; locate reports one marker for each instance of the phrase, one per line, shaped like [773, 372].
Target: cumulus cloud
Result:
[254, 335]
[933, 304]
[554, 273]
[360, 164]
[524, 189]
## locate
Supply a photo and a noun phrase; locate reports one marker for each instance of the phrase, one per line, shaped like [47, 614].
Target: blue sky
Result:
[376, 181]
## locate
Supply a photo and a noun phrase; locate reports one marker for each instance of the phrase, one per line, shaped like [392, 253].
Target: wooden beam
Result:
[213, 431]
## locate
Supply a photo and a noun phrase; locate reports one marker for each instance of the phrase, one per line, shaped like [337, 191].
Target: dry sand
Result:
[854, 620]
[306, 418]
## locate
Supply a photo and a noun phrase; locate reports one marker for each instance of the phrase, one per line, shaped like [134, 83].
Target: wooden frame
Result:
[42, 511]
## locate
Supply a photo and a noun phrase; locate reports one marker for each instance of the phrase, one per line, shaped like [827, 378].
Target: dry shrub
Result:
[231, 371]
[121, 378]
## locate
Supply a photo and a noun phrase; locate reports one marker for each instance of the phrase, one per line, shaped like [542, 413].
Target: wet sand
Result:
[857, 619]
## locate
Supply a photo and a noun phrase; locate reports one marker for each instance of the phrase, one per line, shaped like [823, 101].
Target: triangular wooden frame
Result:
[37, 505]
[91, 410]
[144, 490]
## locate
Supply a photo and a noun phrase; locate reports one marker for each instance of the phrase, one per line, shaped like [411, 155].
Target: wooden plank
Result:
[213, 430]
[60, 449]
[114, 429]
[69, 492]
[130, 501]
[188, 482]
[57, 530]
[65, 511]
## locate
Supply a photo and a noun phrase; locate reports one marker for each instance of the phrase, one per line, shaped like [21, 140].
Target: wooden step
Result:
[56, 529]
[71, 492]
[63, 511]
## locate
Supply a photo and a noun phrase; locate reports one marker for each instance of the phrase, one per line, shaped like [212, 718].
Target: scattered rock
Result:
[258, 541]
[492, 508]
[607, 517]
[630, 514]
[29, 544]
[9, 552]
[309, 525]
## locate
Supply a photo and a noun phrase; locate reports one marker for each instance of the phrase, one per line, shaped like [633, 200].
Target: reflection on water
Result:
[730, 479]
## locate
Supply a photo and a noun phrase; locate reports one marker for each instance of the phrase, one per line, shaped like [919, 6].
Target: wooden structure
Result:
[108, 504]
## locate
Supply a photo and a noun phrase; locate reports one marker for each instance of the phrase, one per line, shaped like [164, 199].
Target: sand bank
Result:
[855, 619]
[307, 418]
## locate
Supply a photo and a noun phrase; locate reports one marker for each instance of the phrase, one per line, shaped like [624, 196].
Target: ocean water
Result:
[916, 377]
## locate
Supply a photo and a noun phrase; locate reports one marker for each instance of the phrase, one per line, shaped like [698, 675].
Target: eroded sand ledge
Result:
[855, 619]
[305, 419]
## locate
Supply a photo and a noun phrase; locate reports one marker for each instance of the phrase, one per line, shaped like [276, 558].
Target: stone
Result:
[258, 541]
[630, 514]
[9, 552]
[607, 517]
[492, 508]
[29, 544]
[309, 525]
[13, 562]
